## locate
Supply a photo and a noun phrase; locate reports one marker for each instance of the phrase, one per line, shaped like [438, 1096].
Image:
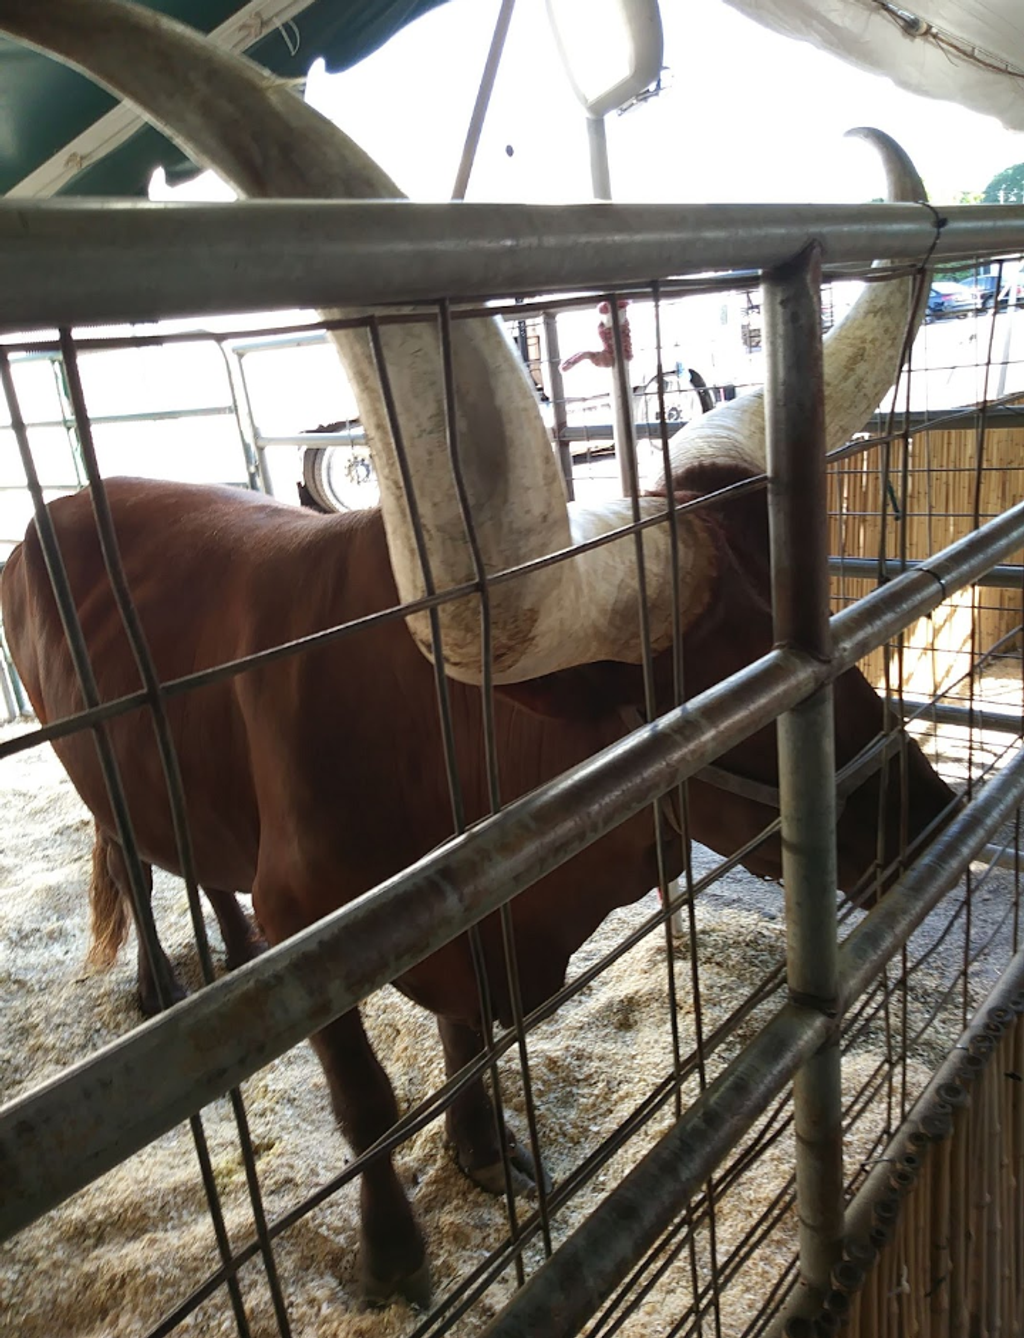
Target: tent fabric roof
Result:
[960, 50]
[44, 105]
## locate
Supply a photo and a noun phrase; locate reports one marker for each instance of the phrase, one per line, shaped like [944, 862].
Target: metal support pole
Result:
[601, 184]
[797, 509]
[600, 173]
[253, 452]
[866, 569]
[483, 98]
[553, 355]
[68, 264]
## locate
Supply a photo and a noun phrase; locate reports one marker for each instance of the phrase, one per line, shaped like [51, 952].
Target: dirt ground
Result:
[115, 1257]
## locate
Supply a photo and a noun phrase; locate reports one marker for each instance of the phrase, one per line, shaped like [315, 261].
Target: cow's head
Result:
[228, 114]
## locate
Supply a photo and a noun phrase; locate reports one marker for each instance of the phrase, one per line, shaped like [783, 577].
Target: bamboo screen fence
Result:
[930, 487]
[935, 1241]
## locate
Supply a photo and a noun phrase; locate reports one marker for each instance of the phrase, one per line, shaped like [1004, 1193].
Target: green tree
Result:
[1006, 187]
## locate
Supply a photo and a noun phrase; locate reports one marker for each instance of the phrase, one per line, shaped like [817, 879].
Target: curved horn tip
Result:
[904, 180]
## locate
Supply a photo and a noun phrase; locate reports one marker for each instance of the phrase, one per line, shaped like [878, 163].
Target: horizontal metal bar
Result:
[969, 418]
[599, 435]
[143, 416]
[1002, 856]
[50, 490]
[602, 434]
[61, 1136]
[884, 613]
[867, 569]
[983, 715]
[274, 343]
[113, 261]
[313, 439]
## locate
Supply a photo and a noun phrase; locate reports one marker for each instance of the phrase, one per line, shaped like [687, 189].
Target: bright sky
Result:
[747, 116]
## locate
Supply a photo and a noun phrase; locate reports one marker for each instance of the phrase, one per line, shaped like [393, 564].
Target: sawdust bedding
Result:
[114, 1258]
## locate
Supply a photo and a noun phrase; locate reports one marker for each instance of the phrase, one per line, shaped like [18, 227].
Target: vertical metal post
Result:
[600, 173]
[11, 706]
[253, 451]
[795, 420]
[483, 98]
[622, 409]
[553, 357]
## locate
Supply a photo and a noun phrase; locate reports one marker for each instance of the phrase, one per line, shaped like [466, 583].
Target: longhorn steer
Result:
[311, 779]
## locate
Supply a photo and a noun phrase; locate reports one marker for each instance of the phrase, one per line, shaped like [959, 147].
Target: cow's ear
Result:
[589, 692]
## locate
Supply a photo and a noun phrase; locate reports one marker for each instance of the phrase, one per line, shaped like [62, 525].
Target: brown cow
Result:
[311, 779]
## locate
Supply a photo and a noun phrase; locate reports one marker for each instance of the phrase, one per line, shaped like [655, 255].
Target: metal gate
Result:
[647, 1225]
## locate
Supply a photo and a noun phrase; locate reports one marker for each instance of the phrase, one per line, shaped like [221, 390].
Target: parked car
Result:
[951, 299]
[993, 287]
[987, 287]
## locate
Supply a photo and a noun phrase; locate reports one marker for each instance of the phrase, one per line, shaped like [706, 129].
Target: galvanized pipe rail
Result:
[798, 526]
[982, 715]
[66, 1133]
[1001, 415]
[867, 569]
[65, 263]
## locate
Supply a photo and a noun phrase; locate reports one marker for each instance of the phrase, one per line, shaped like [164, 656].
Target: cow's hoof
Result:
[522, 1167]
[253, 947]
[414, 1287]
[149, 1003]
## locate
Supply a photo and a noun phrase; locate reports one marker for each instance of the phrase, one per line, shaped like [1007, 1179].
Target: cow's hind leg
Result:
[242, 940]
[472, 1122]
[394, 1261]
[149, 995]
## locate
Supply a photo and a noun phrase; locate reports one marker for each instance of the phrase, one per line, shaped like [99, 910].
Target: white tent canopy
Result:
[960, 50]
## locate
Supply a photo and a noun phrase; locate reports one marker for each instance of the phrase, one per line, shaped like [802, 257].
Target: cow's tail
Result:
[108, 921]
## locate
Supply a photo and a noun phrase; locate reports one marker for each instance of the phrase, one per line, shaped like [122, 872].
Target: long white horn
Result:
[229, 114]
[862, 356]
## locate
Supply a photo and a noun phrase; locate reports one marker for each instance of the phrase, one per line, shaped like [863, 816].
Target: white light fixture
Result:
[612, 49]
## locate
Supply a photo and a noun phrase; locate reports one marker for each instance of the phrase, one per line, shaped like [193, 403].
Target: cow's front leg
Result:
[472, 1122]
[393, 1259]
[242, 940]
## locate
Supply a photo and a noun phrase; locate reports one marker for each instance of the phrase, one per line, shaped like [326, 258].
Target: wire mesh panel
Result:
[243, 704]
[588, 1132]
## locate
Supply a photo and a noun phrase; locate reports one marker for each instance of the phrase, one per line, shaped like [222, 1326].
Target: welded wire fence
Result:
[246, 1221]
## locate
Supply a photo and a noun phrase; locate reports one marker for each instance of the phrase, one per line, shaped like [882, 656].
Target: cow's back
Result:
[325, 770]
[193, 558]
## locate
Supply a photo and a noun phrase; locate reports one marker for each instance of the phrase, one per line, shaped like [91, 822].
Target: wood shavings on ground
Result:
[117, 1256]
